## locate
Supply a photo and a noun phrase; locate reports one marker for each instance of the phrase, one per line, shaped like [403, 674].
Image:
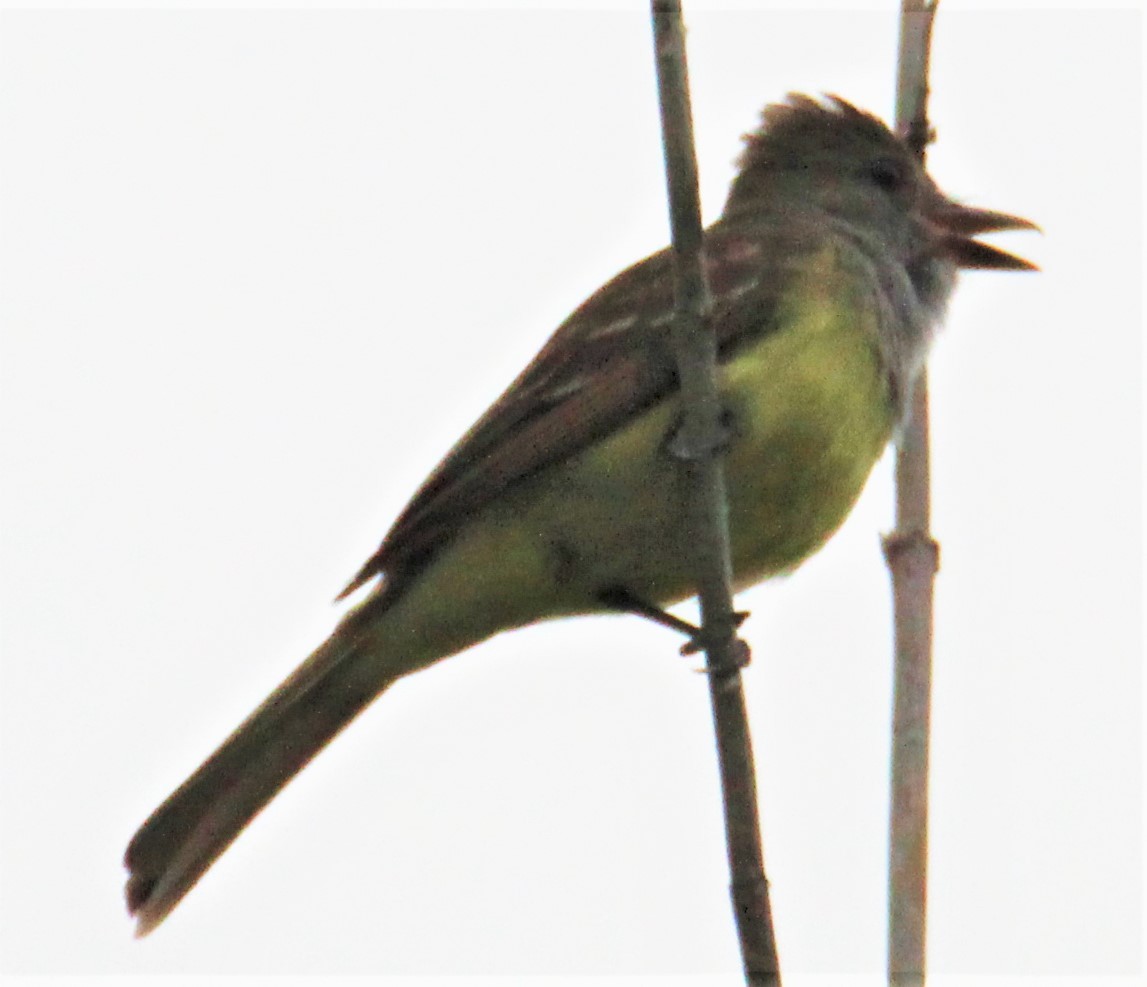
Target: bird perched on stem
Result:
[829, 267]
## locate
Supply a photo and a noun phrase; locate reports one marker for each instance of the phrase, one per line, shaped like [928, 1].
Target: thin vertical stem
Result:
[698, 445]
[913, 560]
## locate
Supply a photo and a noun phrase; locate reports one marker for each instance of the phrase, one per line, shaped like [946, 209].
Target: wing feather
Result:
[607, 363]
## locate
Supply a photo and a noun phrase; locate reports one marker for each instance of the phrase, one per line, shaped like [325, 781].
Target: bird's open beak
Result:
[956, 226]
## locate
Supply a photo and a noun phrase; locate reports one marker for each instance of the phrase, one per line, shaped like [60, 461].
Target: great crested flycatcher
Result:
[829, 268]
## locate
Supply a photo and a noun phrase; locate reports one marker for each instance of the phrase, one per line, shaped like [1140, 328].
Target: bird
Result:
[830, 267]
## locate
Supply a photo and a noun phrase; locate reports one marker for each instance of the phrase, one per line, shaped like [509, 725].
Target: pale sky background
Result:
[261, 268]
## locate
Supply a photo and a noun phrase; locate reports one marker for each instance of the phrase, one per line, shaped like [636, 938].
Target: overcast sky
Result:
[261, 268]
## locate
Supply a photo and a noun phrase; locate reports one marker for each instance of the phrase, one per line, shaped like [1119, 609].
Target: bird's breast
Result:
[812, 412]
[809, 409]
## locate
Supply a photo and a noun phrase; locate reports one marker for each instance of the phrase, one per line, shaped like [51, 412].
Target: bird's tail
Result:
[452, 605]
[370, 649]
[184, 836]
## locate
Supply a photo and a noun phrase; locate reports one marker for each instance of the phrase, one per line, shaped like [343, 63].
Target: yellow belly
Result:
[810, 413]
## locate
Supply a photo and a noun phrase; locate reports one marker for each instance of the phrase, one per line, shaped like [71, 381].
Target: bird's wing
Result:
[608, 362]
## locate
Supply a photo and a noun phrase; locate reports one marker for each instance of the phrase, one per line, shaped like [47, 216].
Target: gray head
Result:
[850, 172]
[848, 164]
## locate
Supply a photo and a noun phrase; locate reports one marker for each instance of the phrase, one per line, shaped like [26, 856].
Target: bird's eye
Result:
[886, 174]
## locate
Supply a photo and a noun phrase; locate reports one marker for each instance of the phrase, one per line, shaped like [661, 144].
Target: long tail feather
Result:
[184, 836]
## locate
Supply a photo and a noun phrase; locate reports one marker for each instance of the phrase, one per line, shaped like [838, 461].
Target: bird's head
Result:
[829, 156]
